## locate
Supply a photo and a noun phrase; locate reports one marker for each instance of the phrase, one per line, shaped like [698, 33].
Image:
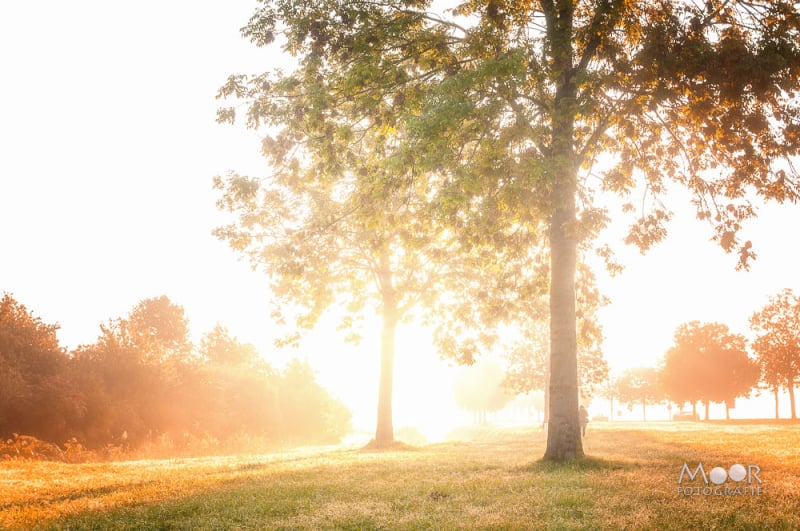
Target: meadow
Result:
[494, 480]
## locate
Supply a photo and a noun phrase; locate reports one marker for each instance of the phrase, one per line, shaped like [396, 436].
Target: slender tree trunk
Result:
[776, 390]
[384, 433]
[706, 404]
[644, 411]
[611, 412]
[564, 431]
[791, 399]
[694, 410]
[727, 411]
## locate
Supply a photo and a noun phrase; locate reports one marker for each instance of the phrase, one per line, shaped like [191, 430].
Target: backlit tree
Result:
[708, 363]
[778, 344]
[330, 226]
[509, 104]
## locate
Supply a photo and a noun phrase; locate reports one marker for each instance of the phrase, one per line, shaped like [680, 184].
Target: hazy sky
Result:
[108, 144]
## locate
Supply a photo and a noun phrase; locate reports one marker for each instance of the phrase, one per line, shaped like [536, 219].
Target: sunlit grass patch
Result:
[627, 481]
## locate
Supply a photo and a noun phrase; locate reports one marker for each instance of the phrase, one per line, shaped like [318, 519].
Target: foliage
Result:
[504, 108]
[777, 344]
[308, 412]
[27, 447]
[708, 363]
[37, 397]
[218, 347]
[140, 386]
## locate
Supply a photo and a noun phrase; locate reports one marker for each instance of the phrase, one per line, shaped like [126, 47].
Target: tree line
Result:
[710, 364]
[143, 380]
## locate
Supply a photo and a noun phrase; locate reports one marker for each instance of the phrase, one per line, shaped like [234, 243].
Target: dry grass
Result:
[494, 481]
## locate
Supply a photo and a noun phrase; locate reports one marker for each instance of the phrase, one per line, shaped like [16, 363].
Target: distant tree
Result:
[37, 397]
[140, 373]
[157, 330]
[218, 346]
[609, 390]
[238, 391]
[641, 385]
[708, 364]
[479, 388]
[309, 413]
[777, 344]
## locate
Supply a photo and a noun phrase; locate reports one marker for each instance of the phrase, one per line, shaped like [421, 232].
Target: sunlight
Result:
[423, 383]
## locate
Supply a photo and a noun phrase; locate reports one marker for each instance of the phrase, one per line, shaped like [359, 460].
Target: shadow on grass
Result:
[584, 464]
[394, 446]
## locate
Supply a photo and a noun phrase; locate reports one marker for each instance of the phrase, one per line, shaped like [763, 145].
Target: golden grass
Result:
[494, 481]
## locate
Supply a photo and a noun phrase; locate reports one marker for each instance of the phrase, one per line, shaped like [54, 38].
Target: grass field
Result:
[494, 481]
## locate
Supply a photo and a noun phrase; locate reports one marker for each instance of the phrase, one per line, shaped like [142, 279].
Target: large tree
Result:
[708, 363]
[512, 102]
[778, 344]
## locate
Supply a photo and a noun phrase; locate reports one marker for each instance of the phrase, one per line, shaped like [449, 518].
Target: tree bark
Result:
[384, 432]
[644, 411]
[611, 411]
[564, 432]
[775, 390]
[791, 399]
[546, 396]
[706, 403]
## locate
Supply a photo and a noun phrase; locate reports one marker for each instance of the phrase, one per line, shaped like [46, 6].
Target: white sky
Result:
[108, 143]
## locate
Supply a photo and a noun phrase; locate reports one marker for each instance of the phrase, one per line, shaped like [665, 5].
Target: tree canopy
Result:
[708, 363]
[501, 110]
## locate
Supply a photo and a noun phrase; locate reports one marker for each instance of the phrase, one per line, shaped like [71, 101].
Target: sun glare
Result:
[423, 382]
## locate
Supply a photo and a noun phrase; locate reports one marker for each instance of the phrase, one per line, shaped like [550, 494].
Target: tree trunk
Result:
[546, 395]
[791, 399]
[644, 411]
[611, 412]
[706, 403]
[564, 431]
[775, 390]
[694, 410]
[384, 433]
[727, 411]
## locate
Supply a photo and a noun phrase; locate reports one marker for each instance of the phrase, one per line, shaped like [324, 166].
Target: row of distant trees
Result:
[143, 380]
[708, 363]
